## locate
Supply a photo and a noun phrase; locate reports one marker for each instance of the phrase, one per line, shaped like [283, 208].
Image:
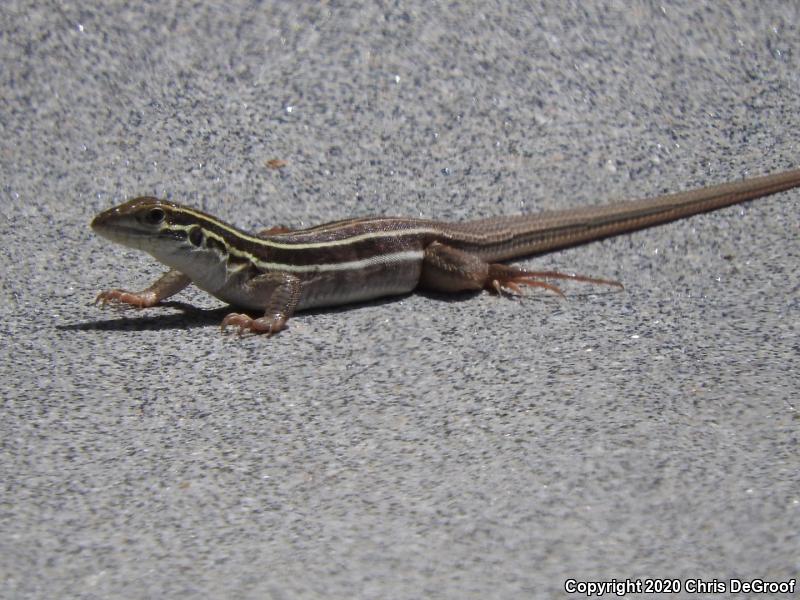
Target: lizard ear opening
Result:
[196, 237]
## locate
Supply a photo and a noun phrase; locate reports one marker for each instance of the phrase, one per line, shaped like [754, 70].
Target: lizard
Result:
[279, 271]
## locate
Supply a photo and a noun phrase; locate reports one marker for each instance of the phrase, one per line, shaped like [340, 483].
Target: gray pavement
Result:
[421, 447]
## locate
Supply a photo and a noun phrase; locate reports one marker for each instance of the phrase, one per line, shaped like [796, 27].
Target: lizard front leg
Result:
[447, 269]
[281, 293]
[169, 284]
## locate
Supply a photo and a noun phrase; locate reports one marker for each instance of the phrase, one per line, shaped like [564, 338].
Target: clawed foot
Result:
[512, 286]
[504, 279]
[120, 298]
[269, 324]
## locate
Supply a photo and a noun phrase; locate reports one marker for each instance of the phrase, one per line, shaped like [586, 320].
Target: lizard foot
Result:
[503, 278]
[268, 324]
[121, 298]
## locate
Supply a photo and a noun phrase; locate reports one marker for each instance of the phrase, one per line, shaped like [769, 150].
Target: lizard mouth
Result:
[114, 228]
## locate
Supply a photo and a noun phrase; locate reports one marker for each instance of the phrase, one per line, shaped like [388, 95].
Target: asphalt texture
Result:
[423, 446]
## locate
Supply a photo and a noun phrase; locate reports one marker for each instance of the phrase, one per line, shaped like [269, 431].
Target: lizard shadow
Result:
[131, 319]
[189, 316]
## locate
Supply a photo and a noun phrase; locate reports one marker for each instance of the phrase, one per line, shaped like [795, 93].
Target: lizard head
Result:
[164, 229]
[137, 222]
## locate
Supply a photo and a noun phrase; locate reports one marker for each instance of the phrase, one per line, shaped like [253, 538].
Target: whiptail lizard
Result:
[280, 271]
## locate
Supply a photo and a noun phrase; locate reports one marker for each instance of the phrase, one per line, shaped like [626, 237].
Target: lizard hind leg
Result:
[448, 269]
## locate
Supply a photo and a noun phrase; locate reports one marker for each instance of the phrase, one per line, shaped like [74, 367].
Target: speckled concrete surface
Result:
[478, 448]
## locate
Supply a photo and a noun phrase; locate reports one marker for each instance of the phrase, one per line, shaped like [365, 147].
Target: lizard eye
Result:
[154, 216]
